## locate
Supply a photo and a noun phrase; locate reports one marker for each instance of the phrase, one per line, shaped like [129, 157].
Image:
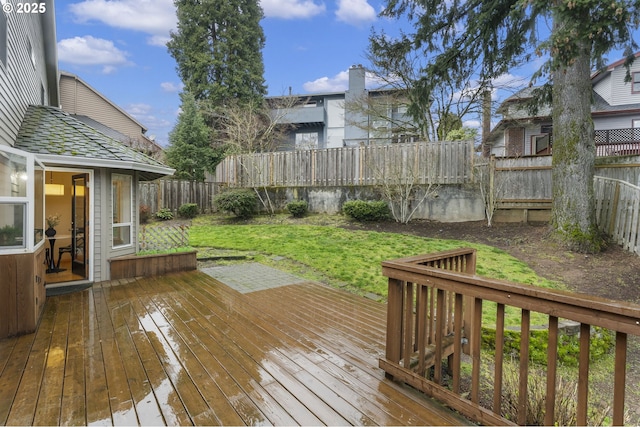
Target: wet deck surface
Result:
[186, 349]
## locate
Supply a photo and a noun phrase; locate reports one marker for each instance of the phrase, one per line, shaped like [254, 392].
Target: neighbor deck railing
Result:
[435, 309]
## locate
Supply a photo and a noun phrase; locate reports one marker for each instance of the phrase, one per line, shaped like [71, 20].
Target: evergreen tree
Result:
[218, 49]
[190, 152]
[488, 37]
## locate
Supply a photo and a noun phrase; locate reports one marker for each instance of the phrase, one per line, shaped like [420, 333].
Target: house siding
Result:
[621, 92]
[614, 122]
[78, 98]
[22, 81]
[603, 88]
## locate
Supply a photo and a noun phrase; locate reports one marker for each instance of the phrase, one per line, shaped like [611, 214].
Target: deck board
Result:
[186, 349]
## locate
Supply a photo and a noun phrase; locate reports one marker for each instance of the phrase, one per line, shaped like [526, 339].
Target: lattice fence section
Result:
[159, 238]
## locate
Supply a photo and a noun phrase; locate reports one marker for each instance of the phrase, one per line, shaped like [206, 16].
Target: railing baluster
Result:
[440, 330]
[476, 341]
[583, 375]
[432, 313]
[421, 313]
[408, 324]
[619, 379]
[523, 395]
[499, 356]
[457, 344]
[552, 360]
[394, 321]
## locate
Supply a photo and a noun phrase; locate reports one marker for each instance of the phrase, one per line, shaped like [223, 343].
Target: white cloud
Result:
[139, 109]
[153, 17]
[355, 12]
[171, 87]
[291, 9]
[89, 50]
[338, 83]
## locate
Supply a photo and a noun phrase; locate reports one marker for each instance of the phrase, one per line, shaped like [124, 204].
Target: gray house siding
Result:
[23, 80]
[620, 91]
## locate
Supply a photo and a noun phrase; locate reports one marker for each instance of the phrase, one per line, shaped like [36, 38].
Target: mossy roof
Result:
[49, 131]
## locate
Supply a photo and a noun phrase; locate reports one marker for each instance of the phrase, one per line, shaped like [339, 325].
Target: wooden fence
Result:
[173, 193]
[424, 163]
[435, 297]
[618, 211]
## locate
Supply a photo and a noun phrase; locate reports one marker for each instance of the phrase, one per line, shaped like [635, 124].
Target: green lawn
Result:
[351, 257]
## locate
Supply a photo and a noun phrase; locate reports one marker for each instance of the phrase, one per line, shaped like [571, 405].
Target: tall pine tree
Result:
[488, 37]
[218, 49]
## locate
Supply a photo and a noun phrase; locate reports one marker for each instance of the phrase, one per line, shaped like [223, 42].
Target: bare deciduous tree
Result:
[248, 129]
[405, 176]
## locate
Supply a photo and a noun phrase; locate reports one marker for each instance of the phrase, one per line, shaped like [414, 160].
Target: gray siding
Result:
[614, 122]
[603, 88]
[621, 91]
[23, 80]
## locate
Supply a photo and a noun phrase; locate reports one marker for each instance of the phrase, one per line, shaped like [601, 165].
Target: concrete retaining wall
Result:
[452, 203]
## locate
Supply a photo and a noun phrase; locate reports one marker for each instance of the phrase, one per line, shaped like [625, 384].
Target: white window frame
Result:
[29, 243]
[121, 225]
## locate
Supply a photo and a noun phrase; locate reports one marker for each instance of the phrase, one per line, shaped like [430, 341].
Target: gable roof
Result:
[107, 100]
[58, 138]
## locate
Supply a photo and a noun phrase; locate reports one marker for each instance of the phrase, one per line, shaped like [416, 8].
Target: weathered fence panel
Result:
[524, 180]
[431, 163]
[618, 211]
[173, 193]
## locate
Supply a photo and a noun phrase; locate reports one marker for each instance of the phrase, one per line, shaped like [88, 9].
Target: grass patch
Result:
[352, 257]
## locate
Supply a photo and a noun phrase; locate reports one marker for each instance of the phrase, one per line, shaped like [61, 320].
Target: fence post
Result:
[614, 208]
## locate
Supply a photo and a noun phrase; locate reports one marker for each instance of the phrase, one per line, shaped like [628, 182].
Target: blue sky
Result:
[118, 47]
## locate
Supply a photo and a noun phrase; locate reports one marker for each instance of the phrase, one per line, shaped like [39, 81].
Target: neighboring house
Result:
[337, 119]
[53, 165]
[88, 105]
[615, 111]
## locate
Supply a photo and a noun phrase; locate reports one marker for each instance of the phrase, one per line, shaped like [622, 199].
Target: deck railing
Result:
[435, 311]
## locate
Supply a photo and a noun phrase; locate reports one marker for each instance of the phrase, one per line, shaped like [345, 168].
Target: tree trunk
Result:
[573, 214]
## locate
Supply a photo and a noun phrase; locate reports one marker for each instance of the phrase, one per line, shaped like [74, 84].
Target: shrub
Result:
[566, 398]
[145, 214]
[298, 208]
[241, 203]
[188, 210]
[164, 214]
[366, 211]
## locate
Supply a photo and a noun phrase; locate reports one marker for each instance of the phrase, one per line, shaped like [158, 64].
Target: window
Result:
[122, 203]
[306, 140]
[21, 213]
[635, 82]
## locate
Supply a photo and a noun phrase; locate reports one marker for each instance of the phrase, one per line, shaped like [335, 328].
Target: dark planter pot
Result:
[50, 232]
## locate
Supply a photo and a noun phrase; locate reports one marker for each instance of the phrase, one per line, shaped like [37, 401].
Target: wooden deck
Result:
[185, 349]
